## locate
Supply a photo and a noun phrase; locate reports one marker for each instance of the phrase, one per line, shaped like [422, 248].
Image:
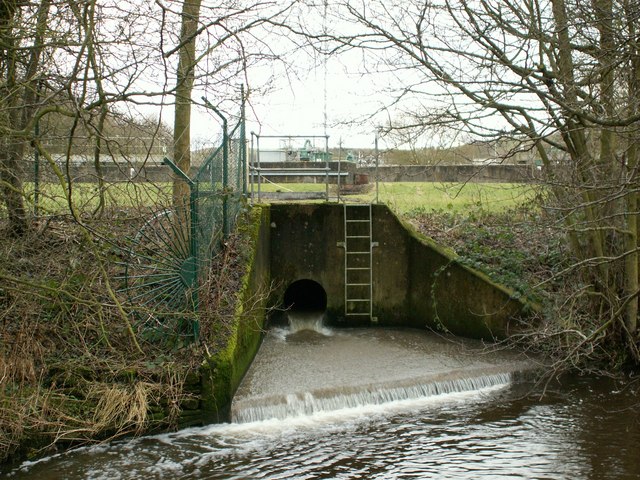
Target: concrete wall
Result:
[416, 173]
[304, 241]
[420, 283]
[454, 173]
[417, 283]
[222, 373]
[387, 173]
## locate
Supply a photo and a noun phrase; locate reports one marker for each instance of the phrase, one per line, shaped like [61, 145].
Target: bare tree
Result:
[22, 38]
[206, 30]
[81, 66]
[561, 77]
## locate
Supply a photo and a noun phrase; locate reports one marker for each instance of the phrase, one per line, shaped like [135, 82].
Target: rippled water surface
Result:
[580, 429]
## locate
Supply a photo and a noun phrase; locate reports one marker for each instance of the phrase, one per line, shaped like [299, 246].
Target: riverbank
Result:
[78, 363]
[526, 248]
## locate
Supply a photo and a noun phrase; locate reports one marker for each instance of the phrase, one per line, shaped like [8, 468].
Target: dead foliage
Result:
[526, 249]
[69, 372]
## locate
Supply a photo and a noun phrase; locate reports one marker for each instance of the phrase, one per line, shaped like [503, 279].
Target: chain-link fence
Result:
[220, 185]
[170, 258]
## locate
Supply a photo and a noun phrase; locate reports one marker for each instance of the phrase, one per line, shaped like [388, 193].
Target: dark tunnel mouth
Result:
[305, 296]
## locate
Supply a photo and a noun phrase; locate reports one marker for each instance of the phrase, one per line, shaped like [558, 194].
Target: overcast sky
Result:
[296, 106]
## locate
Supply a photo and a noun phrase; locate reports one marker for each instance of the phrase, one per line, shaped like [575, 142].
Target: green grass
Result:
[410, 198]
[53, 199]
[406, 198]
[413, 198]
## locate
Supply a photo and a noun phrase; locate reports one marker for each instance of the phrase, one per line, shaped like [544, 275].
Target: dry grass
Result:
[20, 358]
[122, 407]
[68, 370]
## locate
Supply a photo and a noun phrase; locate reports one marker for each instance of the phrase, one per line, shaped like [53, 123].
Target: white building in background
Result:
[273, 155]
[106, 159]
[487, 161]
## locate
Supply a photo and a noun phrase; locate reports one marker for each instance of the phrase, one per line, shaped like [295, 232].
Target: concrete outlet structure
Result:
[415, 282]
[407, 280]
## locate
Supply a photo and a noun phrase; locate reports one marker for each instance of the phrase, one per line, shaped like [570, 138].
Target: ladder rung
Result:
[352, 232]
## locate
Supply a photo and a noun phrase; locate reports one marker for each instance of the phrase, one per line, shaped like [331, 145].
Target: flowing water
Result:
[384, 404]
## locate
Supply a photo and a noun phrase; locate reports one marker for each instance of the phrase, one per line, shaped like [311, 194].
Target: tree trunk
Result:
[576, 141]
[631, 280]
[12, 189]
[10, 178]
[184, 87]
[631, 286]
[18, 104]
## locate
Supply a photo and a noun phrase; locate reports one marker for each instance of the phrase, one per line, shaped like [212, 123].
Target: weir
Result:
[306, 369]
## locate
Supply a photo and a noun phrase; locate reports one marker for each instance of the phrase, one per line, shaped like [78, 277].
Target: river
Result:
[385, 404]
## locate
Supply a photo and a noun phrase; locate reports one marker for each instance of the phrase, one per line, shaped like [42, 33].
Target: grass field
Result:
[406, 198]
[53, 200]
[409, 198]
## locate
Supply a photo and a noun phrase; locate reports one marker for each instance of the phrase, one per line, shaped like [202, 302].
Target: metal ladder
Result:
[358, 261]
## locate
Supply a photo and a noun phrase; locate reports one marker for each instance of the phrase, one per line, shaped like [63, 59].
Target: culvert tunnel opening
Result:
[305, 296]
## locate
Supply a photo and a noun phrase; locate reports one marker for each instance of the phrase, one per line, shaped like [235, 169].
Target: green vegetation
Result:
[53, 199]
[409, 198]
[80, 360]
[525, 249]
[406, 198]
[413, 198]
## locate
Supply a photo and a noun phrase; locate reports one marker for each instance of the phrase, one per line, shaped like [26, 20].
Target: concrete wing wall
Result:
[441, 293]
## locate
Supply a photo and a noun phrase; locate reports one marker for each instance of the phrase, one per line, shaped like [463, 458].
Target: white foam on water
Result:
[303, 405]
[338, 418]
[312, 321]
[244, 438]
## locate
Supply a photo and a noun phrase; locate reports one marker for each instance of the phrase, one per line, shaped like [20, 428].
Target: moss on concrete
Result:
[447, 295]
[222, 372]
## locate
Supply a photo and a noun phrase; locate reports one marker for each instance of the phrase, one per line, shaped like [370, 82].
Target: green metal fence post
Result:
[225, 172]
[193, 245]
[225, 177]
[243, 141]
